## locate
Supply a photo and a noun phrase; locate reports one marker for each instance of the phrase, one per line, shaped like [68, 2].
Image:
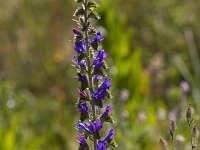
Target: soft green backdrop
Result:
[153, 47]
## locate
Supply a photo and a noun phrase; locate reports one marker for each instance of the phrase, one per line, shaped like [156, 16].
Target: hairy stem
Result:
[89, 71]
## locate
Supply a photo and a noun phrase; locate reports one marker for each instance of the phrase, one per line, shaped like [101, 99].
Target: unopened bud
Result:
[83, 95]
[163, 144]
[195, 132]
[77, 32]
[172, 126]
[189, 112]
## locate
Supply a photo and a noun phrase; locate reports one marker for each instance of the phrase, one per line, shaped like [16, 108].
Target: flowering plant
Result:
[95, 85]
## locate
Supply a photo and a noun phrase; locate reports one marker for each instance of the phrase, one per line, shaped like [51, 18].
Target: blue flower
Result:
[83, 127]
[76, 32]
[110, 135]
[80, 47]
[102, 145]
[95, 126]
[90, 128]
[101, 92]
[82, 140]
[89, 42]
[106, 84]
[98, 37]
[79, 63]
[82, 78]
[107, 111]
[99, 58]
[100, 95]
[82, 107]
[97, 77]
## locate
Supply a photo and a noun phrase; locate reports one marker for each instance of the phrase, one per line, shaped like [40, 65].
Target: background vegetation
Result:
[153, 48]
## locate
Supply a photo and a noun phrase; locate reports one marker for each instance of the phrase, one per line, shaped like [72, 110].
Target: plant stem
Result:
[173, 145]
[90, 83]
[189, 124]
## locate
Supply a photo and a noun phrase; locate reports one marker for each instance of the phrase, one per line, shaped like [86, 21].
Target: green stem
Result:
[90, 72]
[173, 145]
[190, 127]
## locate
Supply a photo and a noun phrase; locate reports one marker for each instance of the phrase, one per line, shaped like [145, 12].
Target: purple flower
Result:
[95, 126]
[76, 32]
[80, 47]
[89, 42]
[98, 37]
[106, 84]
[82, 78]
[101, 92]
[83, 127]
[107, 111]
[100, 95]
[98, 60]
[97, 77]
[90, 128]
[82, 107]
[102, 145]
[79, 63]
[82, 140]
[110, 135]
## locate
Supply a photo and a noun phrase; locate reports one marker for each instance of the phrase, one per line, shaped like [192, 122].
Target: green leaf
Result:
[94, 15]
[108, 94]
[78, 38]
[78, 1]
[101, 72]
[79, 11]
[81, 20]
[104, 65]
[85, 26]
[84, 85]
[94, 45]
[98, 103]
[81, 56]
[108, 118]
[83, 147]
[113, 143]
[83, 117]
[97, 135]
[92, 4]
[92, 31]
[91, 137]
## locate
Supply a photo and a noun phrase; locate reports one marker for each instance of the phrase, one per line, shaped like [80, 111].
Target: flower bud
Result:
[110, 135]
[195, 131]
[76, 32]
[102, 145]
[163, 144]
[83, 108]
[83, 95]
[189, 112]
[106, 112]
[172, 126]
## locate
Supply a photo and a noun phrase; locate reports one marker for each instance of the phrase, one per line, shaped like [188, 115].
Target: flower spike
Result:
[94, 89]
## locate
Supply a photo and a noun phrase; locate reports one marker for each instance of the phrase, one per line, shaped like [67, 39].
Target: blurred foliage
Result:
[151, 53]
[145, 75]
[128, 91]
[35, 58]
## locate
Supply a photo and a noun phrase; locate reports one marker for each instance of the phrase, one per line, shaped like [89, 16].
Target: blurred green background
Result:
[154, 65]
